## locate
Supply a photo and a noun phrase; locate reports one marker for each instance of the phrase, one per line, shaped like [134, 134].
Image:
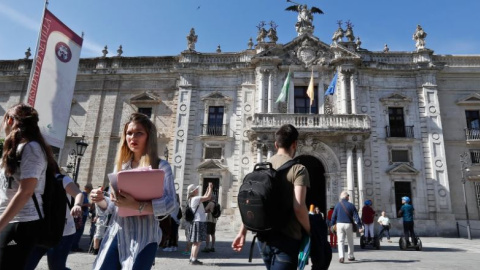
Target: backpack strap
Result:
[37, 205]
[287, 165]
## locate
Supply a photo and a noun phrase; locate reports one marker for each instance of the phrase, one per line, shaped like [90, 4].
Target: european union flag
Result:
[331, 87]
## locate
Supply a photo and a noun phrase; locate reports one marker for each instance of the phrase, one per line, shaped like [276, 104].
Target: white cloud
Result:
[19, 18]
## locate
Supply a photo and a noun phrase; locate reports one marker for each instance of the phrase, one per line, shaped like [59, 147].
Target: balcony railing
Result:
[214, 130]
[399, 131]
[472, 134]
[355, 123]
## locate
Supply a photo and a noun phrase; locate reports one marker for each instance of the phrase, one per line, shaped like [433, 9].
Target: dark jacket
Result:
[320, 250]
[339, 215]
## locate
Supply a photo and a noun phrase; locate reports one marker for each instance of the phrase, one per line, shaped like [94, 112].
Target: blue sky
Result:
[159, 27]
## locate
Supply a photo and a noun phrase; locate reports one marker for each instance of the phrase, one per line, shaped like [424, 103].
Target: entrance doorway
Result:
[216, 185]
[317, 193]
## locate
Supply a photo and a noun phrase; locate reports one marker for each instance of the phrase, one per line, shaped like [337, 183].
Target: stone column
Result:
[270, 92]
[353, 80]
[350, 184]
[260, 91]
[343, 93]
[361, 192]
[259, 152]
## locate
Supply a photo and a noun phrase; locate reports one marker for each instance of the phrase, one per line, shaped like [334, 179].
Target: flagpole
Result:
[288, 100]
[36, 53]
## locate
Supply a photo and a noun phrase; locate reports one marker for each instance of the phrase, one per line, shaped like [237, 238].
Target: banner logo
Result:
[63, 52]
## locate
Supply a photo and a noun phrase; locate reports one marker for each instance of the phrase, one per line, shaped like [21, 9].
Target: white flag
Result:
[52, 78]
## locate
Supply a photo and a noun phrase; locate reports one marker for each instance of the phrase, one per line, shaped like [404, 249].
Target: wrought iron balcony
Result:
[341, 123]
[472, 134]
[214, 130]
[475, 156]
[399, 131]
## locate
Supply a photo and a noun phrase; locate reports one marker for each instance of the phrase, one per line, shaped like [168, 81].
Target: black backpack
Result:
[217, 210]
[265, 197]
[189, 214]
[54, 208]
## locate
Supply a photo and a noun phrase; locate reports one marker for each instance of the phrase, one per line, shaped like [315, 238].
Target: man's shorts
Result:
[211, 228]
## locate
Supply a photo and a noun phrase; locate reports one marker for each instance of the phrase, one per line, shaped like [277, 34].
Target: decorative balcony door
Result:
[302, 101]
[397, 122]
[215, 120]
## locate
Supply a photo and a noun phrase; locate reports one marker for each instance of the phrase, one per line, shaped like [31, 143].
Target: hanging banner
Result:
[53, 76]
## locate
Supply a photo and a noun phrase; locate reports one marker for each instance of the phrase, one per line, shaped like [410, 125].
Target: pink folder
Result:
[143, 185]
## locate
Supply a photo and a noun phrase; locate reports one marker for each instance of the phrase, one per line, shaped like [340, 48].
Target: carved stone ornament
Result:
[307, 53]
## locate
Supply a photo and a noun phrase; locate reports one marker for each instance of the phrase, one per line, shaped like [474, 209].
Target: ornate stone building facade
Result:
[394, 126]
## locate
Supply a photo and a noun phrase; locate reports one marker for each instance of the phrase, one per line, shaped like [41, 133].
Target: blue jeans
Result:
[280, 254]
[56, 256]
[78, 233]
[144, 259]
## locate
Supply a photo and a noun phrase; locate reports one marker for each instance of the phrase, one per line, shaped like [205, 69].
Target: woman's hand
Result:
[124, 199]
[76, 211]
[96, 195]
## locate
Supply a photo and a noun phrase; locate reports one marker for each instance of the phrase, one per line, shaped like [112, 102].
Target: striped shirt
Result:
[135, 233]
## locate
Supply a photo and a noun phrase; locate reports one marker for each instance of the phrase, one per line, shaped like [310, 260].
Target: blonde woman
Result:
[131, 242]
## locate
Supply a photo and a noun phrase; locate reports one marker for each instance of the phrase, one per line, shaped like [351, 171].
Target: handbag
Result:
[354, 225]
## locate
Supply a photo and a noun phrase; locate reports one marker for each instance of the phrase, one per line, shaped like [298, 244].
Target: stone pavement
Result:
[438, 253]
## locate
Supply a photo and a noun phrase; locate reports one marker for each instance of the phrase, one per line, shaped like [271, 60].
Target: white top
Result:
[136, 232]
[69, 223]
[200, 214]
[384, 220]
[33, 164]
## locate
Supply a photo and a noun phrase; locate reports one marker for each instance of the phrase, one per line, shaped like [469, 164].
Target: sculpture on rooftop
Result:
[305, 17]
[262, 33]
[419, 37]
[191, 39]
[272, 32]
[339, 33]
[349, 33]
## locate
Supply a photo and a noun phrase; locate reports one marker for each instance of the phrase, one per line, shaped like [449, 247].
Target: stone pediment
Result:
[211, 165]
[473, 99]
[305, 50]
[217, 96]
[403, 169]
[145, 98]
[342, 52]
[396, 99]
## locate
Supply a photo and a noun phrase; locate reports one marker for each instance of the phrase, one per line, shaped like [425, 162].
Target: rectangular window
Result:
[473, 119]
[302, 101]
[146, 110]
[213, 153]
[215, 121]
[396, 121]
[475, 156]
[400, 156]
[402, 189]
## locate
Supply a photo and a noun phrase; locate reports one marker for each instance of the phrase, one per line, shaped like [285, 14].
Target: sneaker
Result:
[212, 249]
[206, 249]
[167, 249]
[351, 259]
[196, 262]
[186, 253]
[389, 241]
[173, 249]
[340, 260]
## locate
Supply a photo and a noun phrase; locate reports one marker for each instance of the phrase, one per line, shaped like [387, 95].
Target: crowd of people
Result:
[131, 242]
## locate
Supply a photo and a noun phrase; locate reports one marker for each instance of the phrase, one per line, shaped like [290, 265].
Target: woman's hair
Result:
[23, 130]
[150, 157]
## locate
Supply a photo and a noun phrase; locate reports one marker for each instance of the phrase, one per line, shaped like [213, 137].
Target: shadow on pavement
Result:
[385, 261]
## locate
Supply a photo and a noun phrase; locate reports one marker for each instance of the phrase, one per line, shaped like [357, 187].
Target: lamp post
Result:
[77, 155]
[464, 161]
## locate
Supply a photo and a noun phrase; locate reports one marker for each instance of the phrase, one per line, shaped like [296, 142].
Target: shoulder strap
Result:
[37, 206]
[287, 165]
[346, 212]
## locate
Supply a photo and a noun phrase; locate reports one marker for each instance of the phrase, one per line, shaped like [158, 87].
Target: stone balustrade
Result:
[340, 123]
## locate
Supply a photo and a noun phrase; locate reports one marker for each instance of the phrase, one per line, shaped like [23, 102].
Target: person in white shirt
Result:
[198, 228]
[385, 222]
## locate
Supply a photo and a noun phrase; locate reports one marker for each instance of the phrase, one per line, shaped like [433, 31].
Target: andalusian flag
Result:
[284, 94]
[310, 90]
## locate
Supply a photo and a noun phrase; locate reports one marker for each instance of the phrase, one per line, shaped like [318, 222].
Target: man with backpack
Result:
[280, 245]
[211, 224]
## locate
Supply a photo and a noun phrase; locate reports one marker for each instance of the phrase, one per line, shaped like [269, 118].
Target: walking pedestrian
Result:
[131, 242]
[331, 230]
[344, 215]
[385, 222]
[25, 162]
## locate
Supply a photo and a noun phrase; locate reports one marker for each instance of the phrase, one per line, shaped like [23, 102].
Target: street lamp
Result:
[77, 156]
[464, 161]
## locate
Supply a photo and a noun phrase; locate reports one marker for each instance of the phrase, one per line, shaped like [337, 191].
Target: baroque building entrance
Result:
[316, 194]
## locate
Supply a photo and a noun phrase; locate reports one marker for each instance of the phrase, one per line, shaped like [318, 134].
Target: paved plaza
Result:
[438, 253]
